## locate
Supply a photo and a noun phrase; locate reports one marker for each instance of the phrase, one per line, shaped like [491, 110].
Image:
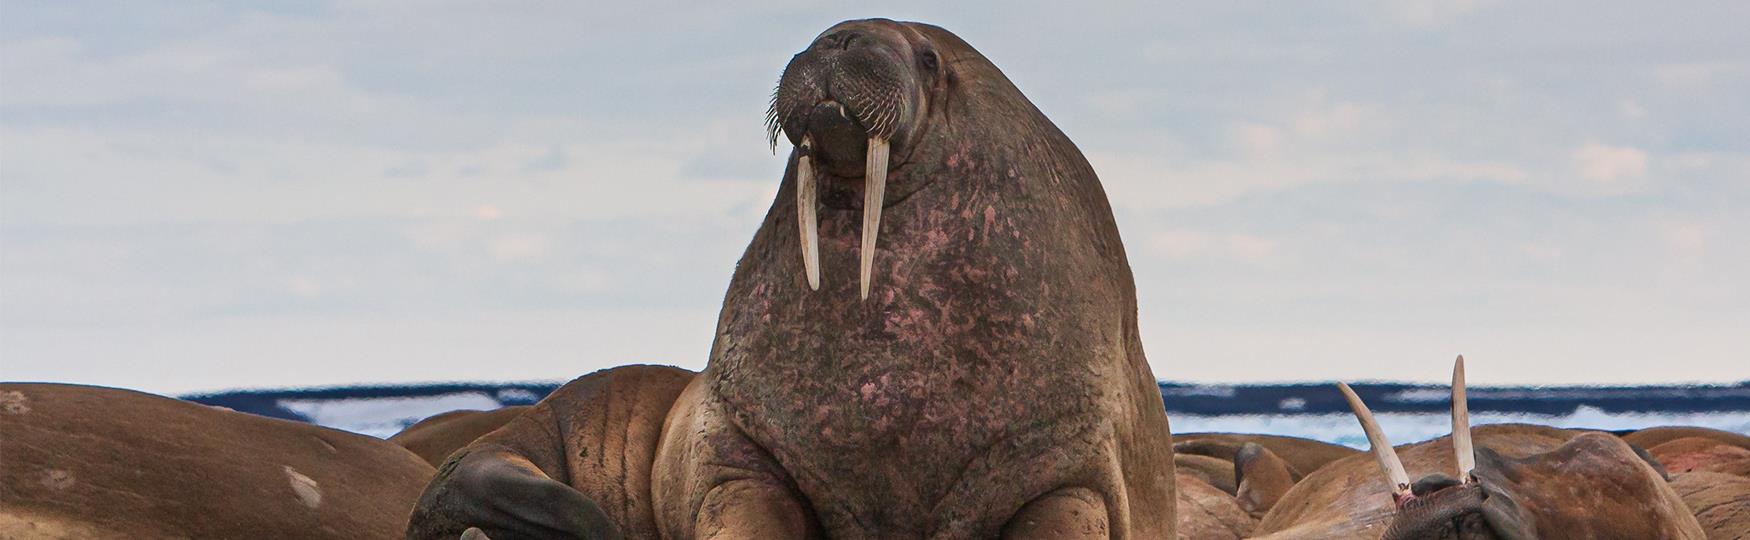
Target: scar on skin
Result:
[304, 487]
[57, 479]
[14, 402]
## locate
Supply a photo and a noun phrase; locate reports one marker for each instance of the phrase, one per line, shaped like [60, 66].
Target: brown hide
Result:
[91, 462]
[1303, 455]
[1655, 436]
[1721, 502]
[1264, 478]
[1543, 468]
[1690, 454]
[1206, 512]
[433, 439]
[1216, 472]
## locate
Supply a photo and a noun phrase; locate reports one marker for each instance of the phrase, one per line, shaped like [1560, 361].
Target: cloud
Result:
[186, 184]
[1610, 165]
[1189, 244]
[1433, 12]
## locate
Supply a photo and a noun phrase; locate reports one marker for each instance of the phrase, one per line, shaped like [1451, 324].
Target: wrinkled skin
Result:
[1535, 482]
[1720, 502]
[434, 438]
[992, 384]
[85, 462]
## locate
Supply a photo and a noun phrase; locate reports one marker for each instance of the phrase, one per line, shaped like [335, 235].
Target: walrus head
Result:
[1495, 496]
[852, 101]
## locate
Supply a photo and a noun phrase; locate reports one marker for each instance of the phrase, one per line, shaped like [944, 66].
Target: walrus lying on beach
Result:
[1521, 481]
[932, 334]
[84, 462]
[1652, 437]
[1702, 454]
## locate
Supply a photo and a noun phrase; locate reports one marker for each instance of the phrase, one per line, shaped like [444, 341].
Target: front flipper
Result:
[576, 465]
[506, 497]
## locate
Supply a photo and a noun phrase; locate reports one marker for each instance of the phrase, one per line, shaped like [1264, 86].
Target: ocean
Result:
[1407, 412]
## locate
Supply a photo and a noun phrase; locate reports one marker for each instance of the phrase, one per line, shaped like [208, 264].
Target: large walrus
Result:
[84, 462]
[1513, 482]
[932, 334]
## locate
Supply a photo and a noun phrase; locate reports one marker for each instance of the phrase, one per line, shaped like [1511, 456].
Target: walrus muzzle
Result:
[852, 92]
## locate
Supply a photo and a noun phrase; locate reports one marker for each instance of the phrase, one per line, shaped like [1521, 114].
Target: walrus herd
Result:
[981, 376]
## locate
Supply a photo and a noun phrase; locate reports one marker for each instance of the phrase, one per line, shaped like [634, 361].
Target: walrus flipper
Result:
[577, 465]
[506, 497]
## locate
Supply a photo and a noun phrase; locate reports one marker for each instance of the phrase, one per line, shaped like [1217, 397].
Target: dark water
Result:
[1407, 412]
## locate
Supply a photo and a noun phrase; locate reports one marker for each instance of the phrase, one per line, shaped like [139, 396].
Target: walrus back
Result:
[90, 462]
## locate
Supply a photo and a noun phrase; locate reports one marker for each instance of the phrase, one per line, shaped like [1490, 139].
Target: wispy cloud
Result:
[392, 191]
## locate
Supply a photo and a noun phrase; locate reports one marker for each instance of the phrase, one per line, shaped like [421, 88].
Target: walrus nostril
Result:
[842, 39]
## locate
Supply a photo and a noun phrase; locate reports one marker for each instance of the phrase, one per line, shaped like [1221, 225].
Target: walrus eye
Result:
[928, 59]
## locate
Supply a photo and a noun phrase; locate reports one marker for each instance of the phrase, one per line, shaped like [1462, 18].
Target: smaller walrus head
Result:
[1496, 496]
[860, 93]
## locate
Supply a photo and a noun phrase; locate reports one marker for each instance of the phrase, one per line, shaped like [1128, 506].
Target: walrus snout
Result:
[1450, 510]
[864, 67]
[848, 96]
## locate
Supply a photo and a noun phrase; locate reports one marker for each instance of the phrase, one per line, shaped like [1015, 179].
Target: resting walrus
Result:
[932, 334]
[85, 462]
[1506, 481]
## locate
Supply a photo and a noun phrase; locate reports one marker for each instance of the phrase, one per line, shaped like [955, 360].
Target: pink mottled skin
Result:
[997, 357]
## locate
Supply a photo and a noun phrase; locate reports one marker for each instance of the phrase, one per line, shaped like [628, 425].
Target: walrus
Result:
[1511, 481]
[1720, 502]
[434, 438]
[85, 462]
[981, 374]
[1693, 454]
[1654, 436]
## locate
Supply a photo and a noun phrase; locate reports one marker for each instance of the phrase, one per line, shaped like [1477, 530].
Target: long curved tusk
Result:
[1382, 450]
[874, 189]
[806, 219]
[1461, 445]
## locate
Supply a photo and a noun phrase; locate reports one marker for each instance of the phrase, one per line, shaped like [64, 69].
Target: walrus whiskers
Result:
[1381, 448]
[806, 220]
[874, 188]
[1461, 447]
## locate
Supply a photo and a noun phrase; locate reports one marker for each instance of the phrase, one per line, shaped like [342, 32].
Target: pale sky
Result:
[207, 195]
